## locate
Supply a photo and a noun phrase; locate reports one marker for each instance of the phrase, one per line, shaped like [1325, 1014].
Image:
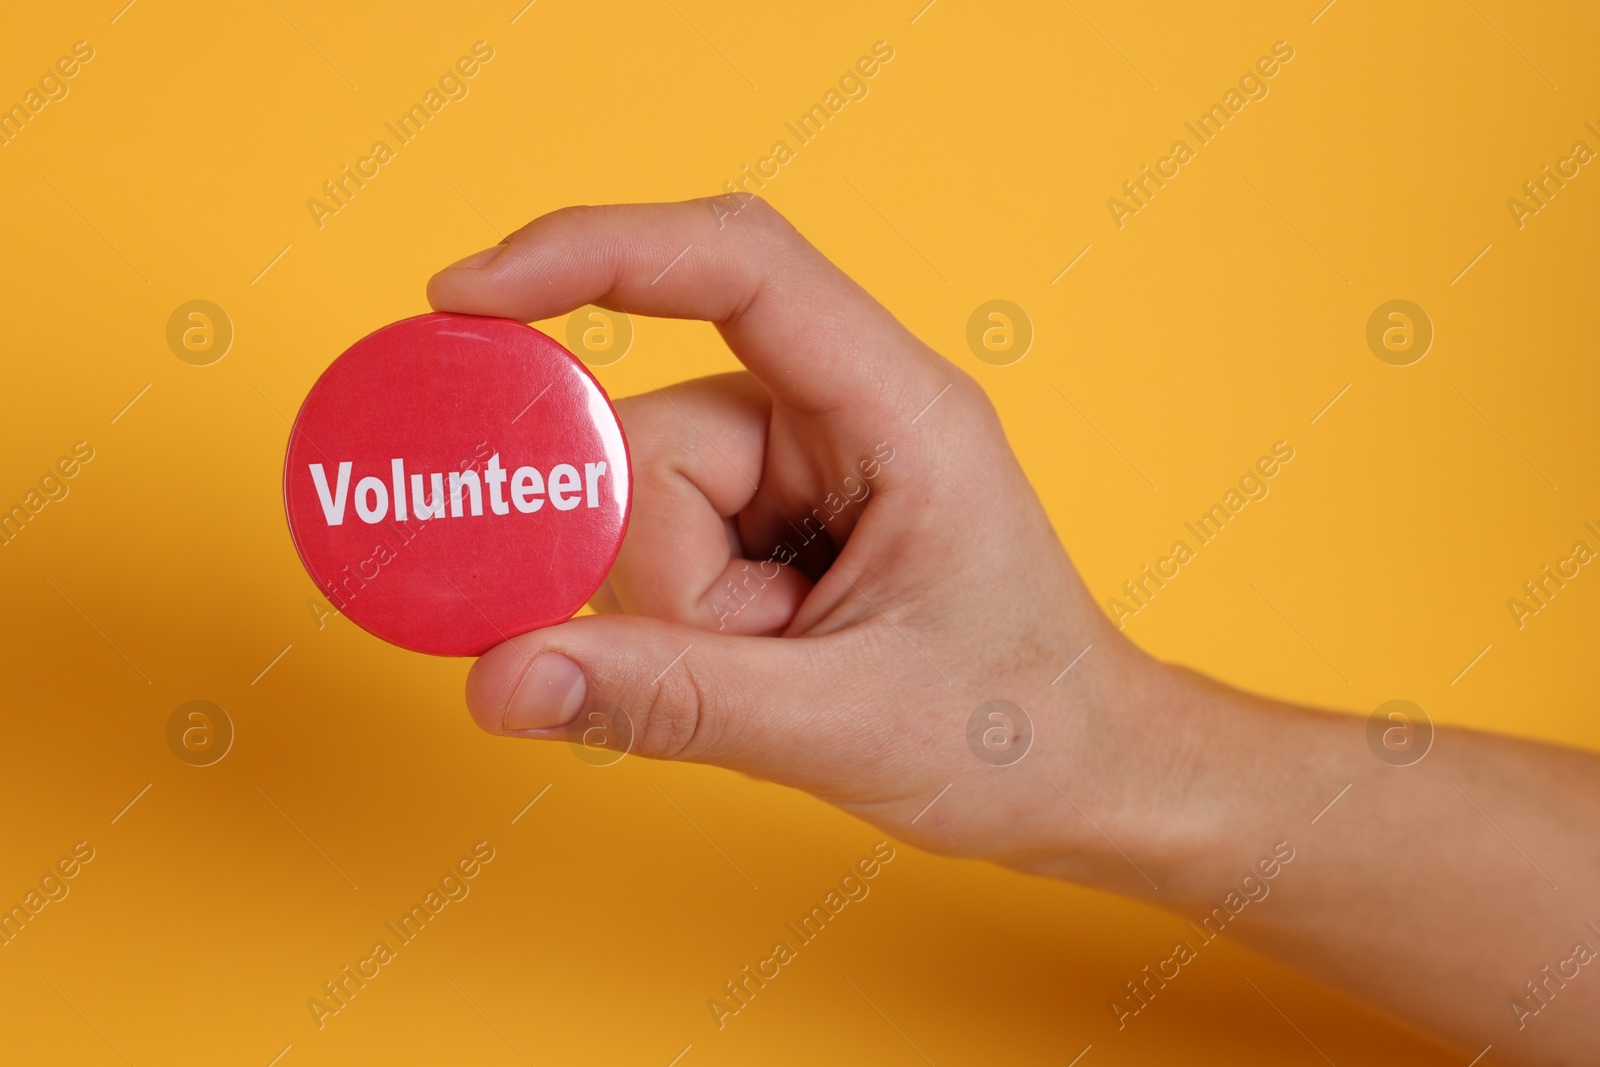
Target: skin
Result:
[1431, 891]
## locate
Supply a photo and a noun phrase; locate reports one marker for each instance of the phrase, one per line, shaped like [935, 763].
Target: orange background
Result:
[1224, 316]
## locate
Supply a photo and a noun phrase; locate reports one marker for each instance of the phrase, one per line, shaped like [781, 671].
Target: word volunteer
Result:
[565, 488]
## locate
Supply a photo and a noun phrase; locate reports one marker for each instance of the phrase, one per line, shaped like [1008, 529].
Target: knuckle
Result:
[761, 223]
[973, 395]
[689, 610]
[762, 212]
[773, 226]
[562, 219]
[960, 394]
[578, 213]
[648, 420]
[661, 449]
[675, 713]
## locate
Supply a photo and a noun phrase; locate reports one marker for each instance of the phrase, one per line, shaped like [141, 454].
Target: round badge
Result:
[454, 481]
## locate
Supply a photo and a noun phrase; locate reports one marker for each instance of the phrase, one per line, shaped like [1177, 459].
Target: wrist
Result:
[1172, 787]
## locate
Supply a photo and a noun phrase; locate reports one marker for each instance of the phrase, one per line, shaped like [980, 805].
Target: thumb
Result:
[659, 690]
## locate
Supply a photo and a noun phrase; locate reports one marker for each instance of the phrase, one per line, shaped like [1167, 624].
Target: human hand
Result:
[928, 583]
[891, 568]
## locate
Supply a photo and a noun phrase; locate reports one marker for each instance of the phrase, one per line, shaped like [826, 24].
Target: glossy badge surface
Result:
[454, 481]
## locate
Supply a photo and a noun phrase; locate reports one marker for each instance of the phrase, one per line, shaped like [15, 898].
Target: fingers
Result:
[817, 340]
[698, 451]
[686, 694]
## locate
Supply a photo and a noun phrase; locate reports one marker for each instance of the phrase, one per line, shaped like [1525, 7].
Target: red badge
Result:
[454, 481]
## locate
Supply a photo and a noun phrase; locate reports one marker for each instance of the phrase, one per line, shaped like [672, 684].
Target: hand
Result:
[832, 559]
[922, 580]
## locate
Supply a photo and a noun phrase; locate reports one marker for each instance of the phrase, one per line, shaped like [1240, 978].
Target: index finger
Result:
[813, 337]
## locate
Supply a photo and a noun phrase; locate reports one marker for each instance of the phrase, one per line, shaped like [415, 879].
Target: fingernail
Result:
[550, 694]
[478, 260]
